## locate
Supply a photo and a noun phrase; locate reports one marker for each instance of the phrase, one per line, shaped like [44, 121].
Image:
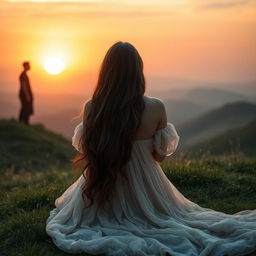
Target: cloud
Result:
[89, 8]
[114, 8]
[224, 4]
[52, 1]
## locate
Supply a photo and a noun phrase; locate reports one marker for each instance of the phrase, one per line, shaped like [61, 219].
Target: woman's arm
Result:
[158, 157]
[162, 123]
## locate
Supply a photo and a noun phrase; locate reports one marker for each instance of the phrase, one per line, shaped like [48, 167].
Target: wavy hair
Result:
[114, 117]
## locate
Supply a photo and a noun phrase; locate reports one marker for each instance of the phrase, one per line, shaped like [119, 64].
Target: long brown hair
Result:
[114, 117]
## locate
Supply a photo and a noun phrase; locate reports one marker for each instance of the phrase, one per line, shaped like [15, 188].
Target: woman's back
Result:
[146, 214]
[152, 119]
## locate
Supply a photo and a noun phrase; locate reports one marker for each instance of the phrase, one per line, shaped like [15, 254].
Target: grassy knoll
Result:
[28, 189]
[224, 184]
[32, 148]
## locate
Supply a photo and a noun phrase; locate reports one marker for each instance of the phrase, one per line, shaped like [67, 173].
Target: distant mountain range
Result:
[62, 122]
[179, 111]
[162, 85]
[185, 105]
[56, 111]
[215, 122]
[239, 140]
[216, 97]
[45, 103]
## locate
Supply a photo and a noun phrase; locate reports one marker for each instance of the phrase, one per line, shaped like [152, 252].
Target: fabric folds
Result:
[76, 137]
[166, 140]
[147, 216]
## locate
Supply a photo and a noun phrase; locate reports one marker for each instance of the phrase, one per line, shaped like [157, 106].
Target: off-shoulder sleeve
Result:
[165, 140]
[76, 137]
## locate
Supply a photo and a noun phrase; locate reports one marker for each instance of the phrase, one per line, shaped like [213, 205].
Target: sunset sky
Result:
[201, 40]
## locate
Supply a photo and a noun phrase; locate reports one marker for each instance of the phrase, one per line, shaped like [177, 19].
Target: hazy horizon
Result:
[184, 44]
[209, 41]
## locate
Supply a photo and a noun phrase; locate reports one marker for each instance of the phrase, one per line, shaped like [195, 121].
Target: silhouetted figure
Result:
[25, 95]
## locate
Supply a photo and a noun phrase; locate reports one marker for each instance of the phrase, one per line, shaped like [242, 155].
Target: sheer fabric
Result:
[148, 215]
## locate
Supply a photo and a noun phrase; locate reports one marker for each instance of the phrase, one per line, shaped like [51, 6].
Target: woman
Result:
[123, 204]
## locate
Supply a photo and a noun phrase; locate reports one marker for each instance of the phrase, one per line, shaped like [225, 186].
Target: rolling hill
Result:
[213, 97]
[32, 148]
[180, 111]
[215, 122]
[184, 101]
[239, 140]
[220, 183]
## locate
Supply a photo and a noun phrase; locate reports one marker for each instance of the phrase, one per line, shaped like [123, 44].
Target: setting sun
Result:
[53, 65]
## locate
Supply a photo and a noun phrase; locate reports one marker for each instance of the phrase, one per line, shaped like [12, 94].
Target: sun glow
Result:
[54, 65]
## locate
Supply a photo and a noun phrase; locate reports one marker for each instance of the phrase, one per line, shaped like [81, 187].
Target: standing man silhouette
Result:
[25, 95]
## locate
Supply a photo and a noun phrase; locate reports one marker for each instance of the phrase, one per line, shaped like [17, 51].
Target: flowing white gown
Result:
[148, 215]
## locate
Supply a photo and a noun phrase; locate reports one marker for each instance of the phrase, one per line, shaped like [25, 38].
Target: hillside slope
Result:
[240, 140]
[32, 148]
[214, 97]
[215, 122]
[180, 111]
[223, 184]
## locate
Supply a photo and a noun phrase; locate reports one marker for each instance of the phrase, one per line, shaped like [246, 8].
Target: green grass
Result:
[35, 169]
[32, 148]
[238, 140]
[25, 204]
[221, 183]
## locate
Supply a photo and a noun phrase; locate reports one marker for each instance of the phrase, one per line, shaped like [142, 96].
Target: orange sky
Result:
[205, 40]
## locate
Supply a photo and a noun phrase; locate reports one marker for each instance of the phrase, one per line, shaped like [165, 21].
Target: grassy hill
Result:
[32, 148]
[223, 184]
[180, 111]
[239, 140]
[215, 122]
[214, 97]
[26, 197]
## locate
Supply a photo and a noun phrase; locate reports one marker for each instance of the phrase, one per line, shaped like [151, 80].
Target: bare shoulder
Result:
[157, 111]
[155, 103]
